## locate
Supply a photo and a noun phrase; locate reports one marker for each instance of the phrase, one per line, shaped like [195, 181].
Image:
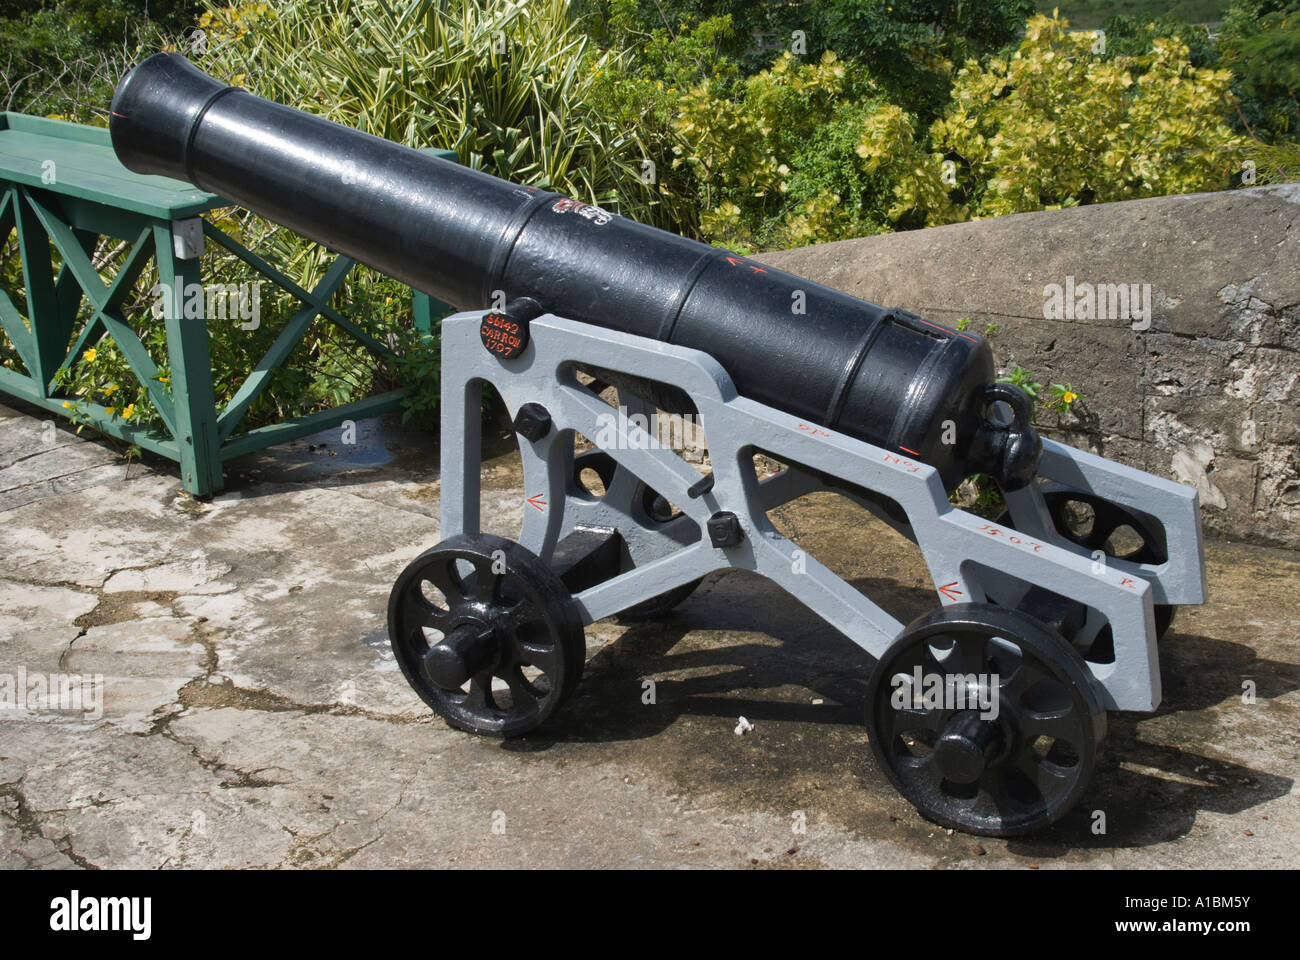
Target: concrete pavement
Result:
[253, 715]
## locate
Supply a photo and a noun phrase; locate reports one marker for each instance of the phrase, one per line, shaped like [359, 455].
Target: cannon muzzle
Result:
[470, 239]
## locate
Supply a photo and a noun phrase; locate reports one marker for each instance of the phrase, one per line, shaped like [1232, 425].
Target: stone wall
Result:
[1201, 390]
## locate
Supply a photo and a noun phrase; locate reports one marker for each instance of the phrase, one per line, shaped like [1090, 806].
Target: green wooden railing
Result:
[62, 186]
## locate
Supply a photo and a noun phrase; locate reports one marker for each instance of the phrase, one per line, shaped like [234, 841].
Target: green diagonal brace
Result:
[132, 267]
[137, 357]
[67, 289]
[11, 321]
[279, 351]
[293, 289]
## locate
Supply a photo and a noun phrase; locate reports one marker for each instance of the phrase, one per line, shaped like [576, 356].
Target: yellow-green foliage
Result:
[642, 91]
[775, 162]
[1055, 124]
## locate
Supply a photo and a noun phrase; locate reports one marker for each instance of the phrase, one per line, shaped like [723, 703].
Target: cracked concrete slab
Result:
[253, 716]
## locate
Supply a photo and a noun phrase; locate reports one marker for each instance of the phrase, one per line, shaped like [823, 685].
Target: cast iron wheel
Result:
[486, 634]
[656, 509]
[1095, 533]
[997, 776]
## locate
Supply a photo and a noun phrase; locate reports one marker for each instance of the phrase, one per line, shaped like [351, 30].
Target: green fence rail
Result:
[62, 188]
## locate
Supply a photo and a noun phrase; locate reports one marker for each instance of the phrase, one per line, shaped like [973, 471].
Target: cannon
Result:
[987, 713]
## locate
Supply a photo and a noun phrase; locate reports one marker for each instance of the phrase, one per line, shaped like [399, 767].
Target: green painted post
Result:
[42, 300]
[191, 369]
[421, 312]
[423, 307]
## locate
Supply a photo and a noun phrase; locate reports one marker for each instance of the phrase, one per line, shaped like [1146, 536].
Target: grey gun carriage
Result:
[987, 713]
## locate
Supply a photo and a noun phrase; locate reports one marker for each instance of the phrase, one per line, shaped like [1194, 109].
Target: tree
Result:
[1260, 43]
[908, 46]
[64, 56]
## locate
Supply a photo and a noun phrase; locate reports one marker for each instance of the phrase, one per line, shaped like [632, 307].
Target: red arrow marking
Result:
[737, 262]
[537, 501]
[948, 591]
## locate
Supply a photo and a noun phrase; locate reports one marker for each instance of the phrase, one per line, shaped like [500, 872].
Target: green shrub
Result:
[507, 84]
[777, 164]
[908, 46]
[693, 115]
[1056, 125]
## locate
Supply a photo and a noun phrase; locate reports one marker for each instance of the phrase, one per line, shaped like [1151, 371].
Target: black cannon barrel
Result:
[461, 235]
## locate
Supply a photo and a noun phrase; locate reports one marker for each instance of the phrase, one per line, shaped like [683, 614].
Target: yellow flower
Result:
[110, 410]
[1069, 397]
[128, 411]
[67, 405]
[111, 388]
[90, 355]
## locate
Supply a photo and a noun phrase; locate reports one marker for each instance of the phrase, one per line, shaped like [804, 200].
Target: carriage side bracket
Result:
[960, 549]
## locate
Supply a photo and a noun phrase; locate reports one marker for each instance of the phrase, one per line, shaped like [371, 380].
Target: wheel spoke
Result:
[488, 580]
[1109, 514]
[439, 573]
[1007, 799]
[522, 697]
[418, 612]
[480, 694]
[1101, 531]
[545, 657]
[1049, 778]
[967, 654]
[1012, 688]
[522, 613]
[907, 719]
[1059, 724]
[921, 770]
[992, 799]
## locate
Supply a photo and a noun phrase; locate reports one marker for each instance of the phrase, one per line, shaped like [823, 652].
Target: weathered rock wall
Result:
[1203, 389]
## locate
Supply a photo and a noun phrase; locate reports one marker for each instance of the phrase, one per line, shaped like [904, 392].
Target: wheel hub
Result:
[967, 746]
[468, 650]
